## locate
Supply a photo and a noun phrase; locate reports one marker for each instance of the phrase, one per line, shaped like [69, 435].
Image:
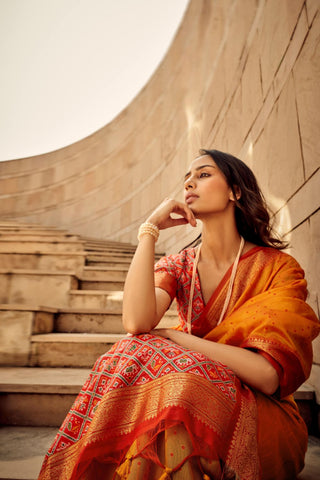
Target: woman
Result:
[211, 399]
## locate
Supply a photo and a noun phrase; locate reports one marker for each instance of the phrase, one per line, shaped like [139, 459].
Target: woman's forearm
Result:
[142, 307]
[139, 299]
[252, 368]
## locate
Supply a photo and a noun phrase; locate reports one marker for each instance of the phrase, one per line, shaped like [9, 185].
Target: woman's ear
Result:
[237, 192]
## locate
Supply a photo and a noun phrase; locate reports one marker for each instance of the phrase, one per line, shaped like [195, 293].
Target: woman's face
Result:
[205, 189]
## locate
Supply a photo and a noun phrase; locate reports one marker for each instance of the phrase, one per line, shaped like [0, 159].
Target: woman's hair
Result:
[251, 211]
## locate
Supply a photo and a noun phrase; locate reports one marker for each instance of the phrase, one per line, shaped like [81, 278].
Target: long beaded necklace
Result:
[229, 292]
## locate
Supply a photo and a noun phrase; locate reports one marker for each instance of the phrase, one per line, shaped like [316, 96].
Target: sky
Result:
[68, 67]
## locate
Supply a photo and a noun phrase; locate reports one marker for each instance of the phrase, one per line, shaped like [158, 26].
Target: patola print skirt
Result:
[151, 409]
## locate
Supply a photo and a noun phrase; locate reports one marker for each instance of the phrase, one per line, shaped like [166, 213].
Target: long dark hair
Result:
[251, 211]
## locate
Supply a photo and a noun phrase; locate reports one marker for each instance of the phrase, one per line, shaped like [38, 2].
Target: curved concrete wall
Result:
[241, 76]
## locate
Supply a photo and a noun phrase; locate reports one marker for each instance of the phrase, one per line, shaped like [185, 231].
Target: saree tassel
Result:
[124, 469]
[166, 474]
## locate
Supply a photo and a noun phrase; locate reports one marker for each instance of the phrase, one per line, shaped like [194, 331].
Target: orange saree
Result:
[152, 409]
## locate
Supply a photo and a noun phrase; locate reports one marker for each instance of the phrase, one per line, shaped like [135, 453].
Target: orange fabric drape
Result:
[153, 409]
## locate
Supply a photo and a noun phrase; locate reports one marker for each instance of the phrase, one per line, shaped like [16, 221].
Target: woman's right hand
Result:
[161, 217]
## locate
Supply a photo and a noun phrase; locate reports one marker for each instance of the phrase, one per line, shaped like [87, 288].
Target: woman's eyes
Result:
[200, 175]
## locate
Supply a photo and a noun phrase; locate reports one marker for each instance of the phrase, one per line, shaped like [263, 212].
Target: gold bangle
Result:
[148, 228]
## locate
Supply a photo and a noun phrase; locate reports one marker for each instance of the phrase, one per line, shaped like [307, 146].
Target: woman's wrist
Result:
[148, 228]
[153, 221]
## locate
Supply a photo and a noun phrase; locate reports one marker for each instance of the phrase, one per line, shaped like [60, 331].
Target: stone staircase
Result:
[60, 308]
[61, 303]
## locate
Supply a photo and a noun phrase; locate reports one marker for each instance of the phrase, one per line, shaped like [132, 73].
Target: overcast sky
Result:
[68, 67]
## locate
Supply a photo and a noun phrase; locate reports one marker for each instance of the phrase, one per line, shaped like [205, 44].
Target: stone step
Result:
[78, 350]
[22, 450]
[38, 236]
[17, 324]
[22, 246]
[111, 259]
[105, 241]
[305, 398]
[44, 260]
[108, 320]
[107, 258]
[109, 300]
[37, 287]
[76, 320]
[42, 396]
[102, 273]
[101, 285]
[110, 248]
[110, 263]
[38, 396]
[26, 227]
[97, 299]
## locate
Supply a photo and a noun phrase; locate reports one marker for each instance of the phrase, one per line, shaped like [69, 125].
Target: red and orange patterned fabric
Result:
[151, 409]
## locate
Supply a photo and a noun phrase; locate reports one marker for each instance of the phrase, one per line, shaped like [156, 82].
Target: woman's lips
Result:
[190, 198]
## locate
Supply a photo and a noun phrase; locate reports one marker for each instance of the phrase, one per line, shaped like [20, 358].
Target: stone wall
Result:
[241, 76]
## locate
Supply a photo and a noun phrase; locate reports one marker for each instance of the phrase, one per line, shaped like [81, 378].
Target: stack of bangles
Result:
[148, 229]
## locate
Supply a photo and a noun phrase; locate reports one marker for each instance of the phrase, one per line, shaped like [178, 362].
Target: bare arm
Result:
[143, 304]
[252, 368]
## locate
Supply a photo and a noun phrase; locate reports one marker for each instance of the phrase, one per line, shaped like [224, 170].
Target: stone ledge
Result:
[21, 271]
[30, 226]
[42, 380]
[78, 338]
[305, 392]
[86, 311]
[38, 236]
[70, 380]
[26, 307]
[46, 252]
[25, 240]
[118, 295]
[101, 268]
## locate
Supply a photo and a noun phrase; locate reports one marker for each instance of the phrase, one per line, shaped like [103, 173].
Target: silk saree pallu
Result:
[151, 409]
[267, 313]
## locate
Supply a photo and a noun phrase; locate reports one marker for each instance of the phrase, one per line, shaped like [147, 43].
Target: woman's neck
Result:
[220, 243]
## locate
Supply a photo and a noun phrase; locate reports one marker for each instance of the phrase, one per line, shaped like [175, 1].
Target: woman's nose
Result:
[189, 184]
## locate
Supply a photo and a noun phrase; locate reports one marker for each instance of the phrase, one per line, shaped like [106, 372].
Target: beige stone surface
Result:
[90, 321]
[112, 301]
[251, 88]
[25, 409]
[301, 204]
[39, 288]
[72, 352]
[44, 380]
[22, 450]
[240, 75]
[278, 22]
[15, 337]
[313, 7]
[292, 53]
[306, 72]
[104, 273]
[280, 139]
[52, 261]
[24, 246]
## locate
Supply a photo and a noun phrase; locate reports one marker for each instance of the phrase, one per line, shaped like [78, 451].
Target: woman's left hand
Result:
[170, 333]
